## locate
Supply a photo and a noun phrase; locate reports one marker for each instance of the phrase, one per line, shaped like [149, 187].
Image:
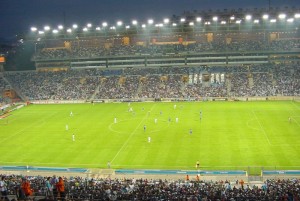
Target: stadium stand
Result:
[188, 65]
[79, 188]
[147, 83]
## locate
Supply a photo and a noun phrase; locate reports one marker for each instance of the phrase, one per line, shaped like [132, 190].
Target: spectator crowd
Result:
[217, 45]
[79, 188]
[165, 82]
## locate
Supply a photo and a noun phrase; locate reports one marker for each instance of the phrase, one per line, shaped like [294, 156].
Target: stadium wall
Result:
[263, 98]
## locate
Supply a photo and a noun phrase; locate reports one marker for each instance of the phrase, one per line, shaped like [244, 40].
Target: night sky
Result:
[17, 16]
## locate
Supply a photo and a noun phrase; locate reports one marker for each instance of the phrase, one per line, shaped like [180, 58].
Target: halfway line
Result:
[125, 144]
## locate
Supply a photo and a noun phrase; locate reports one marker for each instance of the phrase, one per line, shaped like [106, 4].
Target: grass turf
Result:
[230, 135]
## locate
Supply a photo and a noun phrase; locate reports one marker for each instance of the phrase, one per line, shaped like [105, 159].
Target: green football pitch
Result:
[227, 135]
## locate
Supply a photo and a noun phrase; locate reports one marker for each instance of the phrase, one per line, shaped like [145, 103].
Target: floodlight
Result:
[166, 20]
[134, 22]
[198, 19]
[156, 25]
[297, 15]
[98, 28]
[46, 28]
[174, 24]
[256, 21]
[160, 25]
[41, 32]
[282, 16]
[238, 21]
[232, 18]
[265, 16]
[89, 25]
[119, 23]
[143, 26]
[207, 23]
[248, 17]
[33, 29]
[75, 26]
[273, 20]
[150, 21]
[60, 27]
[104, 24]
[113, 27]
[85, 29]
[127, 27]
[69, 30]
[223, 22]
[182, 20]
[290, 20]
[215, 18]
[191, 23]
[55, 31]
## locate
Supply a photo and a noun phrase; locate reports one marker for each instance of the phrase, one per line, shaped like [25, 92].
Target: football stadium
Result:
[203, 106]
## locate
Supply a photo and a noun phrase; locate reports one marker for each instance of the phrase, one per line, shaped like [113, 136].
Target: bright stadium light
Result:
[143, 26]
[104, 24]
[69, 30]
[282, 16]
[256, 21]
[119, 23]
[273, 20]
[160, 25]
[134, 22]
[85, 29]
[182, 20]
[41, 32]
[166, 21]
[89, 25]
[55, 31]
[265, 16]
[207, 23]
[248, 17]
[33, 29]
[232, 18]
[46, 28]
[238, 21]
[215, 18]
[113, 28]
[60, 27]
[223, 22]
[297, 15]
[127, 27]
[150, 21]
[75, 26]
[174, 24]
[98, 28]
[191, 23]
[198, 19]
[290, 20]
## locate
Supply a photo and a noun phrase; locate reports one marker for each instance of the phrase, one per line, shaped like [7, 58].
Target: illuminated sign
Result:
[2, 59]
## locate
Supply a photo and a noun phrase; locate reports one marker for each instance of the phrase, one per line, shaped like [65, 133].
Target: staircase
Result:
[182, 88]
[95, 92]
[251, 82]
[16, 89]
[228, 86]
[138, 91]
